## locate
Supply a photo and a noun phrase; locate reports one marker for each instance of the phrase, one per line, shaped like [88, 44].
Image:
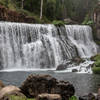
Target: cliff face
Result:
[97, 21]
[13, 16]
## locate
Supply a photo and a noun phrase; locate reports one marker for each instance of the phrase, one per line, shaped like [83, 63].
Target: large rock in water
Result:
[38, 84]
[61, 67]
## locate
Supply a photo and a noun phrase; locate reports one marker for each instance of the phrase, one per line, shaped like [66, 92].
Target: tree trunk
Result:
[41, 10]
[22, 4]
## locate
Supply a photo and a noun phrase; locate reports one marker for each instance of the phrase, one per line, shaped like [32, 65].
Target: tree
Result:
[41, 9]
[22, 4]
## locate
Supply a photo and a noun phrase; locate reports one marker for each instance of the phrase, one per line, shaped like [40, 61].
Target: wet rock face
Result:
[38, 84]
[13, 16]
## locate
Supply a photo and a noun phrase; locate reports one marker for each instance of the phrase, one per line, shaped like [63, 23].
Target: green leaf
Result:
[73, 98]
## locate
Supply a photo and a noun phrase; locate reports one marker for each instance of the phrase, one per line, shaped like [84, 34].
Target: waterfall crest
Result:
[36, 46]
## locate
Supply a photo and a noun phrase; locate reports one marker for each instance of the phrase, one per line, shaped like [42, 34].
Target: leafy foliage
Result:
[96, 67]
[56, 9]
[87, 21]
[58, 23]
[73, 98]
[96, 70]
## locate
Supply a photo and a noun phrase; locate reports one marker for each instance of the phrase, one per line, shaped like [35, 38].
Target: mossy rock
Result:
[96, 70]
[97, 60]
[96, 65]
[97, 42]
[13, 97]
[96, 57]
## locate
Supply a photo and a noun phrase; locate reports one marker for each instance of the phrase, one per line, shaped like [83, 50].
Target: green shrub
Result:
[96, 58]
[58, 23]
[73, 98]
[90, 22]
[97, 42]
[96, 66]
[87, 21]
[96, 70]
[97, 63]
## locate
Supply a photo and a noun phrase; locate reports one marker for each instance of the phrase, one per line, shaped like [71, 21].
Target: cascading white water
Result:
[36, 46]
[81, 37]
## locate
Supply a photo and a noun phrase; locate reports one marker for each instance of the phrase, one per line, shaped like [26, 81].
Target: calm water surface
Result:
[83, 83]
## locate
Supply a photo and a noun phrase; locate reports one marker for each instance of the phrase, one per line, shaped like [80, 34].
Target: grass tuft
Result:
[12, 97]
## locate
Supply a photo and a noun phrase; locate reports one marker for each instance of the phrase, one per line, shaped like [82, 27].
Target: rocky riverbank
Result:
[39, 87]
[43, 87]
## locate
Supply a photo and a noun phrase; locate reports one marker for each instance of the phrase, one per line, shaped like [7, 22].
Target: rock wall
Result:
[96, 18]
[13, 16]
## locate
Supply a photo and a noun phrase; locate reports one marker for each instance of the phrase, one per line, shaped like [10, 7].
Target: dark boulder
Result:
[90, 96]
[65, 89]
[61, 67]
[64, 65]
[38, 84]
[77, 60]
[74, 70]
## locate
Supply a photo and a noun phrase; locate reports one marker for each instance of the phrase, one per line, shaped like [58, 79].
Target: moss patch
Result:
[97, 42]
[96, 66]
[12, 97]
[96, 70]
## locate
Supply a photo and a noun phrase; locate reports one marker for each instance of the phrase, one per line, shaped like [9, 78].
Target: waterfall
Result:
[36, 46]
[81, 37]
